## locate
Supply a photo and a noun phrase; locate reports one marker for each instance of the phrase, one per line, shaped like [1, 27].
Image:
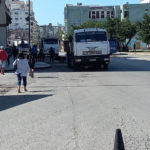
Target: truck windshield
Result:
[23, 46]
[93, 36]
[51, 41]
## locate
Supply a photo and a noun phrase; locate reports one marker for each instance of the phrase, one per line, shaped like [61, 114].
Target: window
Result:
[89, 14]
[91, 36]
[97, 14]
[102, 14]
[126, 14]
[108, 13]
[112, 14]
[93, 14]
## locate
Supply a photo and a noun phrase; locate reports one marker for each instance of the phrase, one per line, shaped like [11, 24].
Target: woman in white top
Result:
[22, 70]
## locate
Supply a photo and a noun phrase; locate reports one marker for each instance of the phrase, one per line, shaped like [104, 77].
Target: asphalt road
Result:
[67, 110]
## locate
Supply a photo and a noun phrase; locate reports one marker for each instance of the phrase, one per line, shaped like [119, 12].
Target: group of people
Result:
[23, 64]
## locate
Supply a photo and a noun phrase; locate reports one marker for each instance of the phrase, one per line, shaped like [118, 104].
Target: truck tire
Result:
[69, 64]
[75, 67]
[105, 66]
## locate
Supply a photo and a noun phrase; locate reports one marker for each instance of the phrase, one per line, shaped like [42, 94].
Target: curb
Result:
[120, 54]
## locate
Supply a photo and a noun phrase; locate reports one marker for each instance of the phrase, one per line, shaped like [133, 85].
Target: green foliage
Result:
[112, 27]
[59, 34]
[127, 30]
[117, 29]
[143, 28]
[89, 24]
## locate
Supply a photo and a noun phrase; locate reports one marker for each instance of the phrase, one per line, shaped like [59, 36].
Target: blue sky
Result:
[52, 11]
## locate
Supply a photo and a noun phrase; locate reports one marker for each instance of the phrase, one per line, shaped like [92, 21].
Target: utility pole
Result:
[29, 24]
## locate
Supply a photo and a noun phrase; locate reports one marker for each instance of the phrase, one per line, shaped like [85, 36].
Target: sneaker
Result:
[25, 90]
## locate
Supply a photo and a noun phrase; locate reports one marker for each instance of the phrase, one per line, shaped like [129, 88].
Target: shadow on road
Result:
[130, 64]
[7, 102]
[116, 64]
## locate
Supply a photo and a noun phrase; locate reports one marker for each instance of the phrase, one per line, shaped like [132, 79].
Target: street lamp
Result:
[29, 25]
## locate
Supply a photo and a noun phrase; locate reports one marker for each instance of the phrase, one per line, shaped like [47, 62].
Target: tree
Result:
[125, 32]
[112, 26]
[121, 31]
[88, 24]
[117, 29]
[143, 29]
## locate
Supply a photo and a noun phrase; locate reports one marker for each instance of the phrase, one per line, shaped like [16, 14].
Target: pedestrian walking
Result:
[51, 54]
[22, 71]
[34, 51]
[3, 59]
[31, 60]
[134, 47]
[14, 52]
[41, 55]
[9, 54]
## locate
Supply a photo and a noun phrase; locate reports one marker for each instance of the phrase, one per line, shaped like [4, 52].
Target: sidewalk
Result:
[38, 65]
[137, 52]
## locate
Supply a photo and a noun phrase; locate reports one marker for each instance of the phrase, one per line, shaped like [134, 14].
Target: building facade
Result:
[145, 1]
[50, 31]
[79, 14]
[19, 28]
[5, 20]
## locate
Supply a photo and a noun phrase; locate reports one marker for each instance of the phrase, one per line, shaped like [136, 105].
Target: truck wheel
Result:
[105, 66]
[69, 64]
[75, 67]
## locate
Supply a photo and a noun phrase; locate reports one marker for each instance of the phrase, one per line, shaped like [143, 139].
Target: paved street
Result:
[67, 110]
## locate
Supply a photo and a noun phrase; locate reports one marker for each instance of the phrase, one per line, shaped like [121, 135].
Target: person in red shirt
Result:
[3, 59]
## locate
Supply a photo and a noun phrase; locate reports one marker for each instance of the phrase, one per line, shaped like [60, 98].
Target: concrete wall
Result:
[137, 11]
[2, 13]
[3, 24]
[3, 38]
[77, 15]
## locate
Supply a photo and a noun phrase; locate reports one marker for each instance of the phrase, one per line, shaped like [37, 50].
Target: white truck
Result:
[47, 43]
[89, 47]
[23, 48]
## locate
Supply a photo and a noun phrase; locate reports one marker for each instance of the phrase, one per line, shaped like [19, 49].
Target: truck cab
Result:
[89, 47]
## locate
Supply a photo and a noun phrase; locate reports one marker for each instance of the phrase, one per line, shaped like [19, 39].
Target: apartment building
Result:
[47, 31]
[78, 14]
[19, 28]
[5, 20]
[145, 1]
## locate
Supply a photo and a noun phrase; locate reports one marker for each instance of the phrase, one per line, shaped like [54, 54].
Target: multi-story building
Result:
[78, 14]
[134, 12]
[5, 20]
[19, 28]
[145, 1]
[47, 31]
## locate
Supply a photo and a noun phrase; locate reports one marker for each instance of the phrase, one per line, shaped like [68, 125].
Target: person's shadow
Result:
[7, 102]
